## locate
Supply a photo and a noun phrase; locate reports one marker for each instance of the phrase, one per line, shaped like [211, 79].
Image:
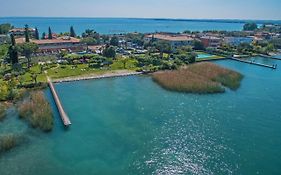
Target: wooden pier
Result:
[255, 63]
[62, 113]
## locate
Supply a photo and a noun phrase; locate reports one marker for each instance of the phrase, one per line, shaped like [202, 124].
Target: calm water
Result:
[121, 25]
[132, 126]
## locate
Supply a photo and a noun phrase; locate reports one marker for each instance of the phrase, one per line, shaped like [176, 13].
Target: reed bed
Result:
[7, 142]
[199, 78]
[2, 112]
[37, 111]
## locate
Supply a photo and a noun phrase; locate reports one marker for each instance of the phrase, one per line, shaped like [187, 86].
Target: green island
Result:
[27, 59]
[199, 78]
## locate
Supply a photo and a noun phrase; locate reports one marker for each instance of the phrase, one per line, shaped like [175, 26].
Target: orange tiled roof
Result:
[51, 41]
[169, 37]
[20, 29]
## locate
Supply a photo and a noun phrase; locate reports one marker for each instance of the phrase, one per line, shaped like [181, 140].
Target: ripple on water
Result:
[189, 144]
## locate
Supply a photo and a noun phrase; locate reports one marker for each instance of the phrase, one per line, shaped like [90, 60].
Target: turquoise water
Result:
[122, 25]
[132, 126]
[203, 55]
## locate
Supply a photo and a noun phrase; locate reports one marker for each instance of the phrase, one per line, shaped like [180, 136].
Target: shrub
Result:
[37, 111]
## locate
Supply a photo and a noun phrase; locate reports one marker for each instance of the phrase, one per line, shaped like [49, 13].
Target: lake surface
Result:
[122, 25]
[132, 126]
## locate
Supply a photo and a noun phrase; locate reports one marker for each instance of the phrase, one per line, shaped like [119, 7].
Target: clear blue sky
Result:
[207, 9]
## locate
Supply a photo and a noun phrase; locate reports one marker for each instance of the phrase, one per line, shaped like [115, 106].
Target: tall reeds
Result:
[2, 112]
[199, 78]
[7, 142]
[37, 111]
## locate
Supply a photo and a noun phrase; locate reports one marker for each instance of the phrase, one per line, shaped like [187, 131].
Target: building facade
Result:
[56, 45]
[238, 40]
[175, 40]
[20, 32]
[211, 41]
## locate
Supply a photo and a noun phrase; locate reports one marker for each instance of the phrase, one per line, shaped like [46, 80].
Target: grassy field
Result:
[57, 71]
[199, 78]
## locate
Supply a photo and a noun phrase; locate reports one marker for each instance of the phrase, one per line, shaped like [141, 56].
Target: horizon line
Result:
[157, 18]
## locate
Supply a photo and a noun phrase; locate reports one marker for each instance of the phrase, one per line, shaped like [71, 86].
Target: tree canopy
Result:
[50, 36]
[13, 52]
[109, 52]
[26, 33]
[72, 32]
[36, 33]
[250, 26]
[27, 49]
[114, 41]
[198, 45]
[89, 41]
[4, 28]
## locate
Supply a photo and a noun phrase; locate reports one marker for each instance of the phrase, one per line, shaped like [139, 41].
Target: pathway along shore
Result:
[89, 77]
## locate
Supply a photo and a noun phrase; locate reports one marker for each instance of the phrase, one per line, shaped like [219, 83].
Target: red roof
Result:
[170, 37]
[51, 41]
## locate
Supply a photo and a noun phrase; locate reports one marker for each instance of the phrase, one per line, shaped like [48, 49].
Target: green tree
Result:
[109, 52]
[27, 49]
[13, 53]
[250, 26]
[50, 36]
[26, 33]
[89, 41]
[43, 35]
[90, 33]
[34, 78]
[3, 50]
[114, 41]
[192, 57]
[163, 47]
[198, 45]
[4, 28]
[72, 32]
[36, 33]
[124, 62]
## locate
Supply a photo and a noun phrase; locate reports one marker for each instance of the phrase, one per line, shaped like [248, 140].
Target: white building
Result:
[176, 40]
[238, 40]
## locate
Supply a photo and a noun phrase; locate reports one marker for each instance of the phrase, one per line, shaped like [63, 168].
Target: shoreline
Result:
[102, 76]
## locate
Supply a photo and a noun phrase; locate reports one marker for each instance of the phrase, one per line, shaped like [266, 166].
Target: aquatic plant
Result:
[2, 112]
[8, 142]
[37, 111]
[199, 78]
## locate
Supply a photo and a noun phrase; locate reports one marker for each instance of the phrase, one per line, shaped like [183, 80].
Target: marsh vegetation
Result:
[37, 111]
[199, 78]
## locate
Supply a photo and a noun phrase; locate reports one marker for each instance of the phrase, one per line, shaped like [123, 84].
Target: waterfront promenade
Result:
[89, 77]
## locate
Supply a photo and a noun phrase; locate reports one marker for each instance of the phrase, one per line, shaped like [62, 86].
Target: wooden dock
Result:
[255, 63]
[62, 113]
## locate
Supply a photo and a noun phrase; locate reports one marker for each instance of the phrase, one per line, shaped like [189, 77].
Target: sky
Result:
[185, 9]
